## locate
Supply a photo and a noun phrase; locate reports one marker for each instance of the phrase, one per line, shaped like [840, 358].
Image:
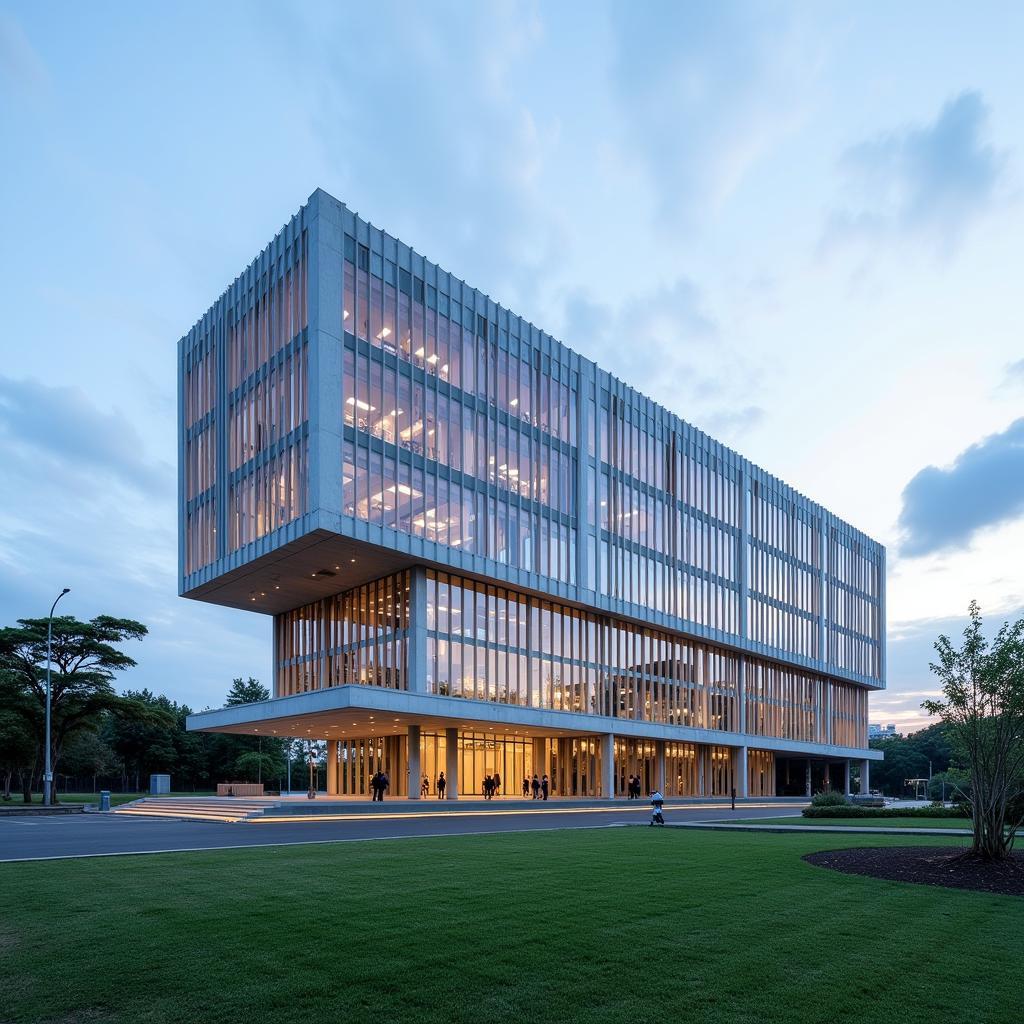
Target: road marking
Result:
[306, 842]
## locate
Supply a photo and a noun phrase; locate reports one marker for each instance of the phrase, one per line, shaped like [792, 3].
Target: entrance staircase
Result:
[199, 808]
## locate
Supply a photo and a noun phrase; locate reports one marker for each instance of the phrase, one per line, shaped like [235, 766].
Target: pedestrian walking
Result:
[526, 787]
[442, 783]
[545, 786]
[385, 783]
[488, 787]
[535, 786]
[497, 783]
[657, 802]
[425, 787]
[629, 788]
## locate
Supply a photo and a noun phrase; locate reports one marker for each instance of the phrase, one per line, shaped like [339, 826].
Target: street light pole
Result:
[47, 774]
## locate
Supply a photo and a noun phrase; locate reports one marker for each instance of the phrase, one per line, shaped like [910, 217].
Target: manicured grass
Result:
[603, 925]
[862, 822]
[94, 798]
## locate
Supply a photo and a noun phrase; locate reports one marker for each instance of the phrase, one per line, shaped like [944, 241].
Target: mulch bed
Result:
[927, 865]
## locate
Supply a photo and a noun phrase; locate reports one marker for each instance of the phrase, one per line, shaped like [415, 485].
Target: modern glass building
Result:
[482, 553]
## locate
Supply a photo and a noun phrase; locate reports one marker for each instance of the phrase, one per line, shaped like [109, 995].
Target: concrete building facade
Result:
[482, 554]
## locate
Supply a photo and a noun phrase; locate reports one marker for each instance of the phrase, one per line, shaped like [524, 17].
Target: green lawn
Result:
[630, 924]
[94, 798]
[861, 822]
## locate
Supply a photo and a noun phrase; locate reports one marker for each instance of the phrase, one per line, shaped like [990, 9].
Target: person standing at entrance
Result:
[526, 787]
[442, 783]
[488, 787]
[374, 785]
[425, 787]
[545, 786]
[497, 784]
[535, 785]
[629, 788]
[385, 783]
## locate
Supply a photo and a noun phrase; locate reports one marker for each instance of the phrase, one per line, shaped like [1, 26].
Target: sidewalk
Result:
[872, 830]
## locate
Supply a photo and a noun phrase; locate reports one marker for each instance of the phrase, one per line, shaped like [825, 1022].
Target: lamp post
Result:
[47, 774]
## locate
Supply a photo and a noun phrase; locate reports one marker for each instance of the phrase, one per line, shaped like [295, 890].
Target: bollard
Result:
[104, 799]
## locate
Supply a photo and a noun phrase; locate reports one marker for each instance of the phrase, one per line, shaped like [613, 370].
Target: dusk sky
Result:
[800, 227]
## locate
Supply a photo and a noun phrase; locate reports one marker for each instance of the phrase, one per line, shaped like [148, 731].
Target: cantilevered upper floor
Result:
[347, 409]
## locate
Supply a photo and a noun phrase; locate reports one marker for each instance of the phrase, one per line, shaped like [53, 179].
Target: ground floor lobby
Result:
[413, 738]
[575, 767]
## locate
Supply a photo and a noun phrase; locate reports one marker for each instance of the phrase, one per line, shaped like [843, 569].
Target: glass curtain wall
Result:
[489, 643]
[455, 429]
[360, 636]
[493, 644]
[244, 382]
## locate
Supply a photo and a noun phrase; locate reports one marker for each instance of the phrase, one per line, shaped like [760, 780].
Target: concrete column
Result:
[828, 712]
[412, 759]
[808, 788]
[741, 696]
[608, 766]
[562, 784]
[451, 763]
[744, 561]
[324, 368]
[742, 774]
[332, 767]
[540, 758]
[659, 766]
[846, 777]
[417, 646]
[865, 777]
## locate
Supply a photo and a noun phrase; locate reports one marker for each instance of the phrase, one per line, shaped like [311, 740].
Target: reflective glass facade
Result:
[525, 530]
[243, 416]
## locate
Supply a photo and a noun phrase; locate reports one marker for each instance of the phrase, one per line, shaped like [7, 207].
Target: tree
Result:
[248, 692]
[84, 661]
[983, 710]
[256, 767]
[147, 743]
[909, 757]
[88, 753]
[236, 757]
[17, 753]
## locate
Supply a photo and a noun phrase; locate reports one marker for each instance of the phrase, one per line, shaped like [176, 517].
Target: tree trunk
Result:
[988, 816]
[26, 785]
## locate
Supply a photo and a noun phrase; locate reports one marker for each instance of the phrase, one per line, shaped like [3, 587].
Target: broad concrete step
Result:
[196, 808]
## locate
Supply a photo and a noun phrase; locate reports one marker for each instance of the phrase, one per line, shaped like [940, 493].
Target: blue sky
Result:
[798, 226]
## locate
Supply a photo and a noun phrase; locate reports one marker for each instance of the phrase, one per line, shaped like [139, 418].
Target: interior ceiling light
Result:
[360, 404]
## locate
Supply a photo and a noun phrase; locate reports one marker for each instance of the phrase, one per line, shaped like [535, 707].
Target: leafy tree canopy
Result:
[84, 662]
[982, 707]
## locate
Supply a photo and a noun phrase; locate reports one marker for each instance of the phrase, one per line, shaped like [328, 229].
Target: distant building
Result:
[882, 732]
[482, 554]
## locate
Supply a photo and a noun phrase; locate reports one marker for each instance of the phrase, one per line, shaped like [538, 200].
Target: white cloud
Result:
[920, 181]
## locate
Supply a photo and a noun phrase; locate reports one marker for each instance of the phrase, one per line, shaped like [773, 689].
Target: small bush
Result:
[830, 798]
[852, 811]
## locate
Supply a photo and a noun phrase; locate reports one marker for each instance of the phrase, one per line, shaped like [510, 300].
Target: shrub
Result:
[853, 811]
[829, 798]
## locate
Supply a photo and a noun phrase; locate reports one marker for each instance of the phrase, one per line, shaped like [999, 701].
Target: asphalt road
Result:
[89, 835]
